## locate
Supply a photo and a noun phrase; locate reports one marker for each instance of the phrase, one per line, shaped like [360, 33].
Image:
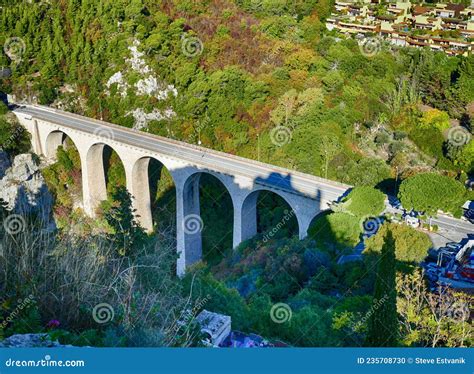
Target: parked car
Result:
[412, 220]
[453, 245]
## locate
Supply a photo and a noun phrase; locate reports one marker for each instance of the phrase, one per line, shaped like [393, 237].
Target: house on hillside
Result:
[442, 27]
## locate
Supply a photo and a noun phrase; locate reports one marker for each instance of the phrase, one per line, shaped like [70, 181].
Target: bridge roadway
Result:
[264, 174]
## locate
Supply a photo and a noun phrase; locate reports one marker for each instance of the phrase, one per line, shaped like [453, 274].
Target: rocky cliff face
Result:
[23, 188]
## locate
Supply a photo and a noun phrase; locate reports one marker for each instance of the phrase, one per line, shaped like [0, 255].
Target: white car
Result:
[453, 245]
[412, 221]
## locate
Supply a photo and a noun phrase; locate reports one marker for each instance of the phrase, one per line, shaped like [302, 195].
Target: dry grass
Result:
[69, 275]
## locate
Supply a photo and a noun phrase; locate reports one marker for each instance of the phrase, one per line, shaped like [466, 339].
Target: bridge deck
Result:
[264, 174]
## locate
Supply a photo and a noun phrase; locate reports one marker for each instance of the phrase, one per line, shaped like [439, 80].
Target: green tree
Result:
[430, 192]
[433, 319]
[127, 234]
[338, 230]
[364, 201]
[435, 118]
[365, 172]
[462, 155]
[14, 139]
[383, 322]
[410, 245]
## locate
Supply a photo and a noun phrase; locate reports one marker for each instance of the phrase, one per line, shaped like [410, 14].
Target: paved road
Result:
[450, 229]
[453, 224]
[265, 174]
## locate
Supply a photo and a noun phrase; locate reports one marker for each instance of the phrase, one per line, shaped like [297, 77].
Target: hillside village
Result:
[443, 26]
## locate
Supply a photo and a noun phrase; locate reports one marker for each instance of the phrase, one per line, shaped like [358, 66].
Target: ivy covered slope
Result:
[264, 81]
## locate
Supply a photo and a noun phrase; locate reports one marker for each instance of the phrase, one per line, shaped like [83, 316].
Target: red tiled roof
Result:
[417, 10]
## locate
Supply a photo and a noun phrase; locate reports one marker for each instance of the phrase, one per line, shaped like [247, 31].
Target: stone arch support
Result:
[141, 192]
[54, 140]
[188, 210]
[245, 213]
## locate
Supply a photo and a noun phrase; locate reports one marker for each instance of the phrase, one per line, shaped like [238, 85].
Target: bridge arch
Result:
[192, 216]
[54, 140]
[97, 159]
[251, 222]
[313, 221]
[147, 172]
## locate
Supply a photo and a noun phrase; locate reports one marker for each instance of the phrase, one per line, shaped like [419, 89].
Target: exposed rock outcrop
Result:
[148, 85]
[24, 189]
[31, 341]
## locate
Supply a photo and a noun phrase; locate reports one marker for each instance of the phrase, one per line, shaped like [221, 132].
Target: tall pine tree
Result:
[383, 321]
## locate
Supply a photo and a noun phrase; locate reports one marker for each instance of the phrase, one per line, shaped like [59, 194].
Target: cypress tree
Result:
[383, 321]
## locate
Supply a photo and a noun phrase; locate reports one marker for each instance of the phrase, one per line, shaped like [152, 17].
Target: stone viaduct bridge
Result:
[307, 195]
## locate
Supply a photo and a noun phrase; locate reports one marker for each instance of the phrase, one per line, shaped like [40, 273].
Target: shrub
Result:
[430, 192]
[410, 245]
[364, 201]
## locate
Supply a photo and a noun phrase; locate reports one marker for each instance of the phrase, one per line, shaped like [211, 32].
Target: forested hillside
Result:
[260, 79]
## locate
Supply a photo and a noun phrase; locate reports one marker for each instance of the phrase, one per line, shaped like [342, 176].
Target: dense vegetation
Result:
[263, 80]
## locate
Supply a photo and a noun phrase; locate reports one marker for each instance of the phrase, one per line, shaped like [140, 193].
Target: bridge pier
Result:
[304, 221]
[189, 224]
[245, 219]
[87, 204]
[138, 186]
[95, 177]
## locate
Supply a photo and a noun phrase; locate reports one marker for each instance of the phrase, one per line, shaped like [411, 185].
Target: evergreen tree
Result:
[128, 234]
[383, 322]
